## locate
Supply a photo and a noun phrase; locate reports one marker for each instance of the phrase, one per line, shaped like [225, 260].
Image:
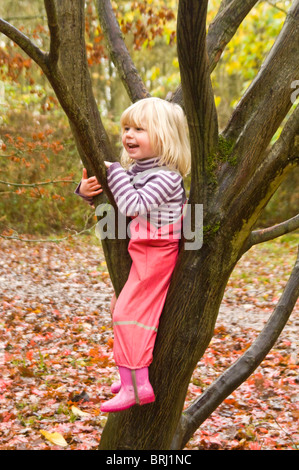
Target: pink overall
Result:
[139, 306]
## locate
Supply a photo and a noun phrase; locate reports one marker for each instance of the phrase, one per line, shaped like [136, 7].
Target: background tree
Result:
[39, 157]
[36, 145]
[235, 172]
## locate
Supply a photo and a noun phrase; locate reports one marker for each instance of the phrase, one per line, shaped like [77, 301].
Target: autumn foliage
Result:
[57, 364]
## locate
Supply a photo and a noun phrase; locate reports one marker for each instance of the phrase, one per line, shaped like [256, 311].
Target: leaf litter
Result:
[56, 361]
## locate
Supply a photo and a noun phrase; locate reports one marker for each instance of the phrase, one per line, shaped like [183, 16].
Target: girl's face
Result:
[137, 143]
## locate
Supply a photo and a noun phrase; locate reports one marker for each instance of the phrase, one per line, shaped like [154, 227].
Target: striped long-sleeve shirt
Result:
[147, 189]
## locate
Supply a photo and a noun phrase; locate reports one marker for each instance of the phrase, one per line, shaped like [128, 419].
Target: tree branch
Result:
[24, 43]
[54, 30]
[264, 235]
[233, 377]
[246, 201]
[286, 148]
[22, 18]
[46, 240]
[33, 185]
[197, 92]
[76, 102]
[277, 7]
[267, 100]
[226, 23]
[119, 52]
[223, 28]
[245, 187]
[93, 143]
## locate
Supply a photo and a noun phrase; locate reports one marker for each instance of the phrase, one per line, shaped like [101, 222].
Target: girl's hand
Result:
[89, 187]
[107, 164]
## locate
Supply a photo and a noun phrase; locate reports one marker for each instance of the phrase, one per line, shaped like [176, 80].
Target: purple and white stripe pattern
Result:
[157, 194]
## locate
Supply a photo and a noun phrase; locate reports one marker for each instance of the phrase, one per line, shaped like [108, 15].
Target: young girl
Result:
[151, 191]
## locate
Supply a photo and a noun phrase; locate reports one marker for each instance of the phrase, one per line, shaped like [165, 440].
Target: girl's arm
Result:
[88, 187]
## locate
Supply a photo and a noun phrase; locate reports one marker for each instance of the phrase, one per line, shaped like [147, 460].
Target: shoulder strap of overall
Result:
[151, 170]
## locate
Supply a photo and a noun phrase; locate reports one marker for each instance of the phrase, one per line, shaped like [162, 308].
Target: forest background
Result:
[70, 353]
[36, 145]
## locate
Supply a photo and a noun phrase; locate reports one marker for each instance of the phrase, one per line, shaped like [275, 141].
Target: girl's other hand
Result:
[107, 164]
[89, 187]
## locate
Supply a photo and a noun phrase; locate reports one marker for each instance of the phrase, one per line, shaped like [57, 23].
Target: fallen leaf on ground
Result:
[55, 437]
[77, 412]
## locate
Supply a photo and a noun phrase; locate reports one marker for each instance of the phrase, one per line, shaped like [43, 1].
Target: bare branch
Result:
[119, 52]
[24, 42]
[33, 185]
[264, 235]
[244, 195]
[277, 7]
[268, 99]
[227, 21]
[24, 18]
[233, 377]
[54, 30]
[286, 148]
[46, 240]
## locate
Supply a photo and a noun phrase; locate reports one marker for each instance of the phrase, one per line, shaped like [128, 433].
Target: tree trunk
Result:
[185, 330]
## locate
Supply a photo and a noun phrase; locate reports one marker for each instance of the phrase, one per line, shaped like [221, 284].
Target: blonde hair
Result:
[166, 125]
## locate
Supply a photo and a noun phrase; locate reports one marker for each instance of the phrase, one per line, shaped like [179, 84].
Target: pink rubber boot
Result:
[135, 389]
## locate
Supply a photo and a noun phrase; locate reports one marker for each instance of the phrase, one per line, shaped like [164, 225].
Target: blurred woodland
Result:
[39, 163]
